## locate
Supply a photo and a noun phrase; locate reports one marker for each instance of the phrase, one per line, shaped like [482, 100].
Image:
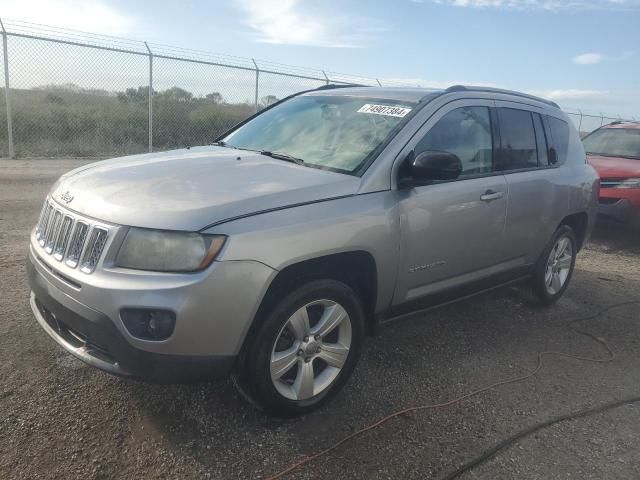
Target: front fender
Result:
[367, 222]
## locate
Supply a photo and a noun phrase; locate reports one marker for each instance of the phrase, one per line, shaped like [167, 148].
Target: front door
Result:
[452, 232]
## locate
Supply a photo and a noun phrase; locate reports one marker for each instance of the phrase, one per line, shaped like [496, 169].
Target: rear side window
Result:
[465, 132]
[541, 141]
[559, 132]
[517, 140]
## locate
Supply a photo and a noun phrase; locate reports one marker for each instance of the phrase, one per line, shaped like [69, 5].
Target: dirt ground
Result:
[62, 419]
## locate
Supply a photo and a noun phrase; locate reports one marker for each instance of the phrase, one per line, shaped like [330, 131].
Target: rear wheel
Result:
[305, 349]
[555, 266]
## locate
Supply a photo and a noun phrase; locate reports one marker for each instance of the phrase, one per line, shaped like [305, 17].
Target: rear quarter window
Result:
[559, 141]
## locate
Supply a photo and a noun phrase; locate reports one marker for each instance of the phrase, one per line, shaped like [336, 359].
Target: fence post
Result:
[325, 77]
[580, 124]
[150, 97]
[601, 118]
[255, 102]
[7, 92]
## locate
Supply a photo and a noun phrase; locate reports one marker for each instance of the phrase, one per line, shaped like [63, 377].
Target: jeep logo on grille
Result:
[66, 197]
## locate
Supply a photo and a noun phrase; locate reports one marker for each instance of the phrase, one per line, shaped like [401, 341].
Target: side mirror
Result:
[434, 165]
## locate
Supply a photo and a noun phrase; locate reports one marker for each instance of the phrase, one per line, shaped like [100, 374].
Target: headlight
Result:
[167, 251]
[629, 183]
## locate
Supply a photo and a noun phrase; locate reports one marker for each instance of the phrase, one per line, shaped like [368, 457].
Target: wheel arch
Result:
[579, 223]
[356, 269]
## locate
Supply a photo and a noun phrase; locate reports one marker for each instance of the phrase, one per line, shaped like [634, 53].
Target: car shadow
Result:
[610, 236]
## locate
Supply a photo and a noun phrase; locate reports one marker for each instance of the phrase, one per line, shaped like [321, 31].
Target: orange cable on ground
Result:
[571, 325]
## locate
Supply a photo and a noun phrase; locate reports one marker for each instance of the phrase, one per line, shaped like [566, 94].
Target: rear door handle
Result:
[491, 195]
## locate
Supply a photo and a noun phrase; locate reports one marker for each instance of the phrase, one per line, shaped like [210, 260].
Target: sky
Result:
[581, 53]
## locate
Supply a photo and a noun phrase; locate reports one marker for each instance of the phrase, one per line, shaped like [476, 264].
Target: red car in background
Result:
[614, 151]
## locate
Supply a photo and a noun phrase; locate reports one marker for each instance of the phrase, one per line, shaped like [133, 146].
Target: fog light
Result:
[148, 324]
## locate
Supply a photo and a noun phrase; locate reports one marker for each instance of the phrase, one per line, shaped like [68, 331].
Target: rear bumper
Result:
[92, 337]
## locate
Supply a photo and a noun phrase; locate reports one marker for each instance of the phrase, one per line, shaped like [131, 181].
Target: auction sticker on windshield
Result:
[388, 110]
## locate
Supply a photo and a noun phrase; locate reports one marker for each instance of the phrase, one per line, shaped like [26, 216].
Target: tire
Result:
[282, 352]
[555, 266]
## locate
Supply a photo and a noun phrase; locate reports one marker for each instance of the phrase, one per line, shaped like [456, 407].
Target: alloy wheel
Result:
[558, 265]
[311, 349]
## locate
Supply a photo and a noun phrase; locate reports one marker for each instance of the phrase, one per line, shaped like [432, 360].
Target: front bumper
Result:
[621, 210]
[211, 319]
[97, 343]
[621, 204]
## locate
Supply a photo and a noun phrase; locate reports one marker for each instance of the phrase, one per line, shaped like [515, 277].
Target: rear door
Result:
[536, 192]
[452, 232]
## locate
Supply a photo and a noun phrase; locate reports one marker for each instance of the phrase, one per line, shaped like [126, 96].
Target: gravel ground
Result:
[62, 419]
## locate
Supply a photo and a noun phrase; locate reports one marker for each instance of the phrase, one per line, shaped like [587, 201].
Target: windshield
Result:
[614, 142]
[334, 132]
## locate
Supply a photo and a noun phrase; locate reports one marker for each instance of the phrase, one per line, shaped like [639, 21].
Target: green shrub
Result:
[70, 121]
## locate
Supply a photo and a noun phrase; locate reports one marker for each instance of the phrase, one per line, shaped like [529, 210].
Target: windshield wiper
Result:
[282, 156]
[222, 143]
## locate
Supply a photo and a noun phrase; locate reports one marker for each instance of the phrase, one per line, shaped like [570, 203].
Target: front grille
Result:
[94, 249]
[64, 236]
[73, 337]
[610, 182]
[62, 240]
[77, 243]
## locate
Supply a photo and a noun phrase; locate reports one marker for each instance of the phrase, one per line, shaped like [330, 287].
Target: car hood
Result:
[190, 189]
[615, 167]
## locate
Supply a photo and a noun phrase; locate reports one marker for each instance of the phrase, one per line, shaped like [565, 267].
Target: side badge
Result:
[419, 268]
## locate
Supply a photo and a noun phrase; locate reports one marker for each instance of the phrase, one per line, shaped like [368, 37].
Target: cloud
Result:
[571, 94]
[551, 5]
[588, 58]
[87, 15]
[291, 22]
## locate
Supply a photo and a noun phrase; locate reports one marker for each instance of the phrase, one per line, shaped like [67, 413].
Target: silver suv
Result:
[273, 252]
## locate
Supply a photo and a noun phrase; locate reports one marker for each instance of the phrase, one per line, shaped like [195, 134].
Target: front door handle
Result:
[491, 195]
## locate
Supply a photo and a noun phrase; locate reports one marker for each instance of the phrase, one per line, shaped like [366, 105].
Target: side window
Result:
[518, 140]
[559, 130]
[541, 141]
[465, 132]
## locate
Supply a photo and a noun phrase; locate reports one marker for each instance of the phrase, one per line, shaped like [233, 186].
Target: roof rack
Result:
[330, 86]
[464, 88]
[620, 122]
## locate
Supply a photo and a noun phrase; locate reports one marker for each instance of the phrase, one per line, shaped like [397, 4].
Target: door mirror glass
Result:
[435, 165]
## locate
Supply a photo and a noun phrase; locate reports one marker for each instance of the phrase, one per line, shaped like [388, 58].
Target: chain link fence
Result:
[70, 93]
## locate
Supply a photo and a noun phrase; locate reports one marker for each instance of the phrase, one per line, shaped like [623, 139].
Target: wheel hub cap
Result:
[311, 349]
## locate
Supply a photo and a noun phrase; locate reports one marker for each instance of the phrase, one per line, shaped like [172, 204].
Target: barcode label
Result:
[387, 110]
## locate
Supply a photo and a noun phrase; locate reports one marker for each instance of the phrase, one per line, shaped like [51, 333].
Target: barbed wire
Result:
[71, 92]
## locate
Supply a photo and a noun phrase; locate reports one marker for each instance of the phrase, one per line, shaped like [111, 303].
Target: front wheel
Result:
[555, 266]
[304, 350]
